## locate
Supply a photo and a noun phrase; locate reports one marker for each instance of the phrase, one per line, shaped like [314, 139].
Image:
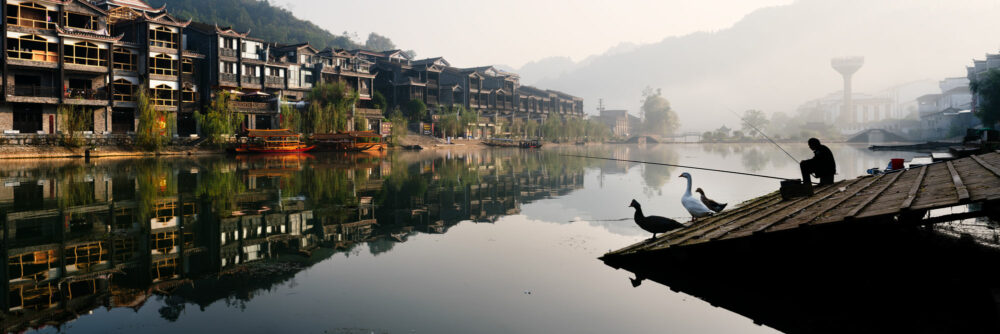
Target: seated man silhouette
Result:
[822, 164]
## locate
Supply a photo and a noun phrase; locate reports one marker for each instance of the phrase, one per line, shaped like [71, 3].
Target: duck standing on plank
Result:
[695, 207]
[653, 224]
[713, 205]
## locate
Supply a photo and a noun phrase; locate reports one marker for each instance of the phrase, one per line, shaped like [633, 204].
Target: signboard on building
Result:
[428, 128]
[386, 129]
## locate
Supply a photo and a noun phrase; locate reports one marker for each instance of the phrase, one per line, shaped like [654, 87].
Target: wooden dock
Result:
[852, 258]
[909, 197]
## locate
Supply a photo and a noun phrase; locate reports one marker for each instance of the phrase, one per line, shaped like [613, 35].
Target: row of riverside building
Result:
[96, 55]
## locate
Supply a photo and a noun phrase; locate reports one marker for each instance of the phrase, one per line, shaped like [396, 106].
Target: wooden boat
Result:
[272, 141]
[534, 143]
[352, 141]
[500, 142]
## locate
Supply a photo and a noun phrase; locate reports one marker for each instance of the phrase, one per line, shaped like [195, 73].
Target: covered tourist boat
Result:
[351, 141]
[272, 141]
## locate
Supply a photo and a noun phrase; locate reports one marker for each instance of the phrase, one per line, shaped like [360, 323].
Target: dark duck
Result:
[653, 224]
[712, 205]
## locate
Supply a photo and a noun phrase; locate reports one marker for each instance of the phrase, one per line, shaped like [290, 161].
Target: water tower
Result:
[847, 66]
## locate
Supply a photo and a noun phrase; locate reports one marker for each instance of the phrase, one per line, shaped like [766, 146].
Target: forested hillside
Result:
[266, 21]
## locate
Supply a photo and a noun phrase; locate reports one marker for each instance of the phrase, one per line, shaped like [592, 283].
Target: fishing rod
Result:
[682, 166]
[763, 134]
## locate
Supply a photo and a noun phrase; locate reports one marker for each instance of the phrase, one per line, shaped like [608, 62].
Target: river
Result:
[477, 241]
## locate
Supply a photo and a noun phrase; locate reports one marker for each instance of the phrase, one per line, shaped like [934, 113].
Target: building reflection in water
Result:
[112, 234]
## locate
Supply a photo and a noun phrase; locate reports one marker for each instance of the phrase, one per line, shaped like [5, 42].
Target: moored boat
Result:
[534, 143]
[272, 141]
[352, 141]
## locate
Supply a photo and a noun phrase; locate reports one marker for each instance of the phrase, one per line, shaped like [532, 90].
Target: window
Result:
[163, 37]
[188, 95]
[85, 53]
[163, 95]
[31, 15]
[227, 67]
[162, 64]
[32, 47]
[187, 66]
[81, 21]
[83, 256]
[124, 91]
[124, 60]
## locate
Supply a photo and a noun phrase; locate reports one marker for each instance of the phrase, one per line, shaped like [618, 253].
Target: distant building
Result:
[616, 120]
[948, 113]
[96, 56]
[867, 110]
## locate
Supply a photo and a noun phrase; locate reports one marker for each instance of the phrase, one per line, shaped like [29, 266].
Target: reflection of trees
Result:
[654, 176]
[74, 189]
[753, 160]
[718, 149]
[155, 180]
[220, 184]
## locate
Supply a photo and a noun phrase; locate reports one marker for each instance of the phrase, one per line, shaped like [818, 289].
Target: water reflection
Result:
[190, 233]
[113, 234]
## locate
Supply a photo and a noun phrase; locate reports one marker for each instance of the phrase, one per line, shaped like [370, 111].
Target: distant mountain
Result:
[776, 58]
[263, 19]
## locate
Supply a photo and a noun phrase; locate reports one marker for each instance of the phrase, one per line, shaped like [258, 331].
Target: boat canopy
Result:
[271, 133]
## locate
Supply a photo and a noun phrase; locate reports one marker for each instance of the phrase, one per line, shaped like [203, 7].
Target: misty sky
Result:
[514, 32]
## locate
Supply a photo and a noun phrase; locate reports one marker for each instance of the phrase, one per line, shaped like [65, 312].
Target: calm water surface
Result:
[493, 241]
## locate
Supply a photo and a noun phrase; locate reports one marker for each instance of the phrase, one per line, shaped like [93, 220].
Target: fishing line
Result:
[682, 166]
[763, 134]
[616, 220]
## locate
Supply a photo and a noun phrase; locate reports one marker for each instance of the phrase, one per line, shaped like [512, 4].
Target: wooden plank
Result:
[963, 192]
[722, 232]
[913, 190]
[991, 168]
[822, 199]
[871, 198]
[716, 222]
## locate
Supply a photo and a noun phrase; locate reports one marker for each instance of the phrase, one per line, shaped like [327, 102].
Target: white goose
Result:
[693, 204]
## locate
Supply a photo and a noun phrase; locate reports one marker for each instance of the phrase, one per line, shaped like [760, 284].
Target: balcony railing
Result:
[367, 112]
[249, 79]
[224, 52]
[251, 106]
[32, 91]
[86, 94]
[228, 77]
[272, 80]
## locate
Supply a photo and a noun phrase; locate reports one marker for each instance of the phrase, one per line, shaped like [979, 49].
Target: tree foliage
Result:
[987, 94]
[378, 42]
[415, 110]
[262, 18]
[660, 119]
[399, 131]
[329, 104]
[291, 118]
[156, 127]
[572, 128]
[754, 119]
[73, 120]
[380, 103]
[220, 119]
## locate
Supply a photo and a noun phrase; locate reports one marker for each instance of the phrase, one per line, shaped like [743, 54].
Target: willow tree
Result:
[399, 131]
[468, 119]
[156, 127]
[74, 120]
[291, 118]
[329, 104]
[219, 119]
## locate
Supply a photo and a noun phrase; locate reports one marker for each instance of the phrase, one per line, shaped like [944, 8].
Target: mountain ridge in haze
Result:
[776, 58]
